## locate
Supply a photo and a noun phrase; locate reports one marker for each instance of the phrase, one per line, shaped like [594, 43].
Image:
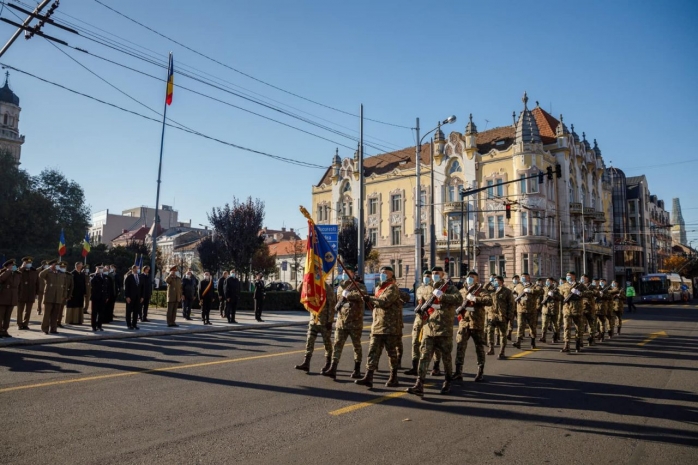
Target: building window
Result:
[500, 188]
[533, 185]
[493, 264]
[490, 227]
[502, 266]
[395, 203]
[537, 225]
[490, 189]
[372, 206]
[522, 183]
[396, 235]
[500, 226]
[524, 224]
[423, 197]
[454, 230]
[319, 213]
[373, 236]
[399, 268]
[537, 270]
[524, 262]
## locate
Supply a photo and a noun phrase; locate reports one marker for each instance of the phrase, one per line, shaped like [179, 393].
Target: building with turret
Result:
[10, 139]
[678, 228]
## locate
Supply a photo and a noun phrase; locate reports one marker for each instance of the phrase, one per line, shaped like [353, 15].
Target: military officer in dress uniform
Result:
[98, 297]
[28, 290]
[54, 297]
[174, 295]
[88, 288]
[10, 279]
[67, 289]
[42, 287]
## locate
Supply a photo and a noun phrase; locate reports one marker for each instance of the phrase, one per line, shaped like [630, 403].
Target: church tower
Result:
[10, 139]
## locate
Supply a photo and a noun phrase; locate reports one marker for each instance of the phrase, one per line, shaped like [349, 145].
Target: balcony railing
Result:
[600, 217]
[453, 243]
[590, 212]
[575, 208]
[454, 207]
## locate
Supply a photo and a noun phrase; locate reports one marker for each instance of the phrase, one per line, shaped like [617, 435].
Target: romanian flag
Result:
[86, 245]
[170, 82]
[319, 262]
[61, 244]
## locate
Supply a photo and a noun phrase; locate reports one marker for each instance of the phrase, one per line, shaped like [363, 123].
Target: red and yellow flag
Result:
[86, 245]
[61, 245]
[319, 261]
[170, 82]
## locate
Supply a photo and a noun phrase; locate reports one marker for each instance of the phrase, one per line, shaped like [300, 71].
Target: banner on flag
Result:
[319, 262]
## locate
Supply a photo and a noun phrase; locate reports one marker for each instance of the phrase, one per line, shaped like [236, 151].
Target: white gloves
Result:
[345, 293]
[437, 293]
[600, 293]
[527, 290]
[470, 297]
[576, 292]
[551, 293]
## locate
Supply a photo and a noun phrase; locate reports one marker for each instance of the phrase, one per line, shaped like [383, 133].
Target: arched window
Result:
[346, 188]
[455, 167]
[5, 119]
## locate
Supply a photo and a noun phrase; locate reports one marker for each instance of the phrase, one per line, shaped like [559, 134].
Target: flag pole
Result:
[156, 220]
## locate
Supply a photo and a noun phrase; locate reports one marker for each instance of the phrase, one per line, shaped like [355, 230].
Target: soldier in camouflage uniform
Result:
[589, 307]
[512, 288]
[527, 309]
[572, 293]
[322, 324]
[499, 314]
[601, 300]
[386, 328]
[423, 293]
[560, 316]
[350, 321]
[551, 310]
[438, 331]
[617, 296]
[489, 288]
[471, 324]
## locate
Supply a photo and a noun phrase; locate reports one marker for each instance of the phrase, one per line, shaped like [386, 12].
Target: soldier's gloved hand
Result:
[437, 293]
[345, 293]
[551, 293]
[470, 297]
[527, 290]
[367, 299]
[328, 326]
[600, 293]
[576, 292]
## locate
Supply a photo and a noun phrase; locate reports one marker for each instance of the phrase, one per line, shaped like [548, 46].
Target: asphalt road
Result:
[235, 398]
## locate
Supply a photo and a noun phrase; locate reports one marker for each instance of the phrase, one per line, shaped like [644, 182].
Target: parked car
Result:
[410, 292]
[278, 286]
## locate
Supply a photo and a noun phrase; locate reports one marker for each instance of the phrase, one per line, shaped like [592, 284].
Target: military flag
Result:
[319, 262]
[61, 245]
[86, 245]
[170, 82]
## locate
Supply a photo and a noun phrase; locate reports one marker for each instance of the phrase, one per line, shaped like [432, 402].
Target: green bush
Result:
[275, 300]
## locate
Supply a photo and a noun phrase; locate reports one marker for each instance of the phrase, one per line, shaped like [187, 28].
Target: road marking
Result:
[523, 354]
[374, 401]
[653, 336]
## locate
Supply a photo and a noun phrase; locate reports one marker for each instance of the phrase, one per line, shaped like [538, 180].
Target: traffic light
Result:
[558, 170]
[463, 269]
[550, 173]
[541, 177]
[446, 265]
[508, 209]
[423, 252]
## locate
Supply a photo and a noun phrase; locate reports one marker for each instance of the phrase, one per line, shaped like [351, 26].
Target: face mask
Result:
[384, 277]
[470, 280]
[614, 285]
[426, 280]
[343, 277]
[135, 272]
[548, 283]
[523, 281]
[561, 282]
[436, 278]
[62, 269]
[14, 267]
[99, 270]
[515, 281]
[569, 279]
[495, 283]
[603, 284]
[27, 265]
[87, 270]
[177, 274]
[207, 276]
[492, 279]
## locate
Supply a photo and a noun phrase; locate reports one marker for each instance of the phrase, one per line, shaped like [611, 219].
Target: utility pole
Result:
[26, 22]
[432, 226]
[418, 214]
[362, 193]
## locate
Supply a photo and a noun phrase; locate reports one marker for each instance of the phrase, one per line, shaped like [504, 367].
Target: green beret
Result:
[437, 268]
[387, 268]
[427, 273]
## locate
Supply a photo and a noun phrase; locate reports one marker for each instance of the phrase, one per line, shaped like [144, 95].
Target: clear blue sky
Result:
[624, 72]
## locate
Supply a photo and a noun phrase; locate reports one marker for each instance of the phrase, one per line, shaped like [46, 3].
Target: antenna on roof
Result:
[486, 123]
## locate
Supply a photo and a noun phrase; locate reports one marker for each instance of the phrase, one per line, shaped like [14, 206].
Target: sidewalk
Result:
[156, 326]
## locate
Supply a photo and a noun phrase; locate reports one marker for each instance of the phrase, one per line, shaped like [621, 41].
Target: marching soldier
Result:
[588, 308]
[551, 310]
[489, 287]
[10, 280]
[600, 301]
[560, 316]
[422, 295]
[385, 330]
[350, 321]
[608, 309]
[54, 297]
[512, 288]
[617, 296]
[572, 293]
[174, 295]
[438, 331]
[28, 290]
[42, 287]
[471, 323]
[500, 313]
[320, 324]
[527, 309]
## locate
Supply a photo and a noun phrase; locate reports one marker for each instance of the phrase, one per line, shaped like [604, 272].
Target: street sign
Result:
[331, 233]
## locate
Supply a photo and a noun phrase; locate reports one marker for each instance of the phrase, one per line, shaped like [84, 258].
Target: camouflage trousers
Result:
[611, 317]
[548, 319]
[313, 331]
[464, 334]
[590, 319]
[560, 320]
[619, 315]
[417, 340]
[602, 323]
[340, 337]
[524, 320]
[576, 321]
[500, 326]
[430, 345]
[375, 349]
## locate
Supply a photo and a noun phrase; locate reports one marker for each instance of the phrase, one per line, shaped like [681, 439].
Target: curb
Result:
[89, 338]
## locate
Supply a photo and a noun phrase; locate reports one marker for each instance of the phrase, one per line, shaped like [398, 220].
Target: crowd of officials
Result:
[65, 297]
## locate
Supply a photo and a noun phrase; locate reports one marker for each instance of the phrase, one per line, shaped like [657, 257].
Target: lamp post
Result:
[418, 198]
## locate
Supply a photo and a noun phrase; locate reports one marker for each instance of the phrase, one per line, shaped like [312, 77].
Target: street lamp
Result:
[418, 209]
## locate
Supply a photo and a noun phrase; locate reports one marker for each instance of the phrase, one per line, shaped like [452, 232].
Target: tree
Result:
[299, 253]
[210, 254]
[373, 260]
[238, 226]
[263, 262]
[675, 262]
[349, 245]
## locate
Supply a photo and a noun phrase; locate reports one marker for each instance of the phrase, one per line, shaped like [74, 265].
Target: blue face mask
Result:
[426, 280]
[495, 283]
[514, 281]
[343, 277]
[14, 267]
[492, 279]
[569, 279]
[561, 282]
[523, 281]
[548, 283]
[384, 277]
[470, 280]
[437, 278]
[614, 285]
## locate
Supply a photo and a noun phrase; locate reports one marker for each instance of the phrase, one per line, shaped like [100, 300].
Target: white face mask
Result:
[27, 266]
[177, 274]
[207, 276]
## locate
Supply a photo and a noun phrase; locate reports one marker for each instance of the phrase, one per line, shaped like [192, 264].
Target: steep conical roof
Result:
[6, 94]
[470, 128]
[526, 127]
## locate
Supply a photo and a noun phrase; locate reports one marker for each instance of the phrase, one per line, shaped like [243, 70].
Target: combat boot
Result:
[480, 373]
[610, 333]
[517, 344]
[413, 371]
[392, 380]
[509, 335]
[491, 351]
[602, 335]
[501, 355]
[578, 347]
[556, 337]
[533, 342]
[328, 362]
[458, 375]
[305, 366]
[618, 330]
[566, 347]
[499, 342]
[367, 380]
[417, 389]
[332, 372]
[591, 341]
[356, 374]
[446, 387]
[436, 371]
[543, 340]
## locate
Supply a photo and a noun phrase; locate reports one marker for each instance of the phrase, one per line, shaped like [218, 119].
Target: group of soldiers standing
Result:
[489, 314]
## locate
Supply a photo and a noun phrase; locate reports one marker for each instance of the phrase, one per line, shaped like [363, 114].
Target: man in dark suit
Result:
[221, 292]
[146, 292]
[232, 292]
[258, 297]
[133, 292]
[99, 297]
[189, 286]
[206, 293]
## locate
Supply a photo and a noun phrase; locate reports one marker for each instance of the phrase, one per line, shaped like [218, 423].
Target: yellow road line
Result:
[523, 354]
[368, 403]
[652, 337]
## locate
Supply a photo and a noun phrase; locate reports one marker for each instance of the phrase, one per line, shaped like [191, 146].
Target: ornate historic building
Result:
[10, 139]
[555, 225]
